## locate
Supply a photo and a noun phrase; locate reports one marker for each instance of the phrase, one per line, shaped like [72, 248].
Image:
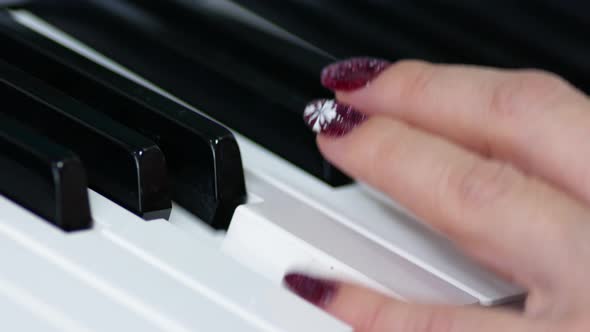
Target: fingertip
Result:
[353, 153]
[399, 86]
[319, 292]
[362, 308]
[326, 144]
[371, 100]
[350, 303]
[334, 149]
[350, 97]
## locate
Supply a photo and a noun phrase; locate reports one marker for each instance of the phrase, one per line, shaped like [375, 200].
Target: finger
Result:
[533, 119]
[488, 208]
[368, 311]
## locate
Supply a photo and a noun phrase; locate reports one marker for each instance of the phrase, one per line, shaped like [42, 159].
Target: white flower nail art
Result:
[323, 112]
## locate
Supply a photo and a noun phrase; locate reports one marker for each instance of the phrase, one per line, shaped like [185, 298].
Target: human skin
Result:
[496, 160]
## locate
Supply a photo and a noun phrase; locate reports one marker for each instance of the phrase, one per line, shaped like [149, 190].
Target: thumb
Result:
[369, 311]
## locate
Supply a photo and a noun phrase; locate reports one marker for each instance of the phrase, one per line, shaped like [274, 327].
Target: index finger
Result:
[494, 212]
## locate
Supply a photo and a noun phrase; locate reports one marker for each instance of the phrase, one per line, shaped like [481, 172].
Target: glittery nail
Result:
[352, 74]
[331, 118]
[318, 292]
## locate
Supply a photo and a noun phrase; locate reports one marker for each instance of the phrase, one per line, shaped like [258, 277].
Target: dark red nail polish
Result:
[352, 74]
[331, 118]
[318, 292]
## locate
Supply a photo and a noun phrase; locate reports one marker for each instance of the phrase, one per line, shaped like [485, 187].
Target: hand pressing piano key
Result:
[324, 246]
[400, 235]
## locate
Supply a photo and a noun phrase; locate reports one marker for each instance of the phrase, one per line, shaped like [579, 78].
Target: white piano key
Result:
[55, 295]
[360, 210]
[155, 288]
[283, 233]
[127, 280]
[21, 312]
[194, 226]
[207, 272]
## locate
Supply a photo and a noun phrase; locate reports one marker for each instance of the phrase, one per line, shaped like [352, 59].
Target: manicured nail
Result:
[331, 118]
[318, 292]
[352, 74]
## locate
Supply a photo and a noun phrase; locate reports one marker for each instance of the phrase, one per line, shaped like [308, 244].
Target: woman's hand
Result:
[498, 161]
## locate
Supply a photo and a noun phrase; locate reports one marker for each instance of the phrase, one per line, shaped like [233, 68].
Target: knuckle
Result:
[482, 183]
[526, 90]
[477, 186]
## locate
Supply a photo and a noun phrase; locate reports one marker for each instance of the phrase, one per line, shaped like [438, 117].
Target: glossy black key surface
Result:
[345, 31]
[203, 156]
[255, 83]
[42, 176]
[546, 34]
[122, 165]
[541, 37]
[280, 69]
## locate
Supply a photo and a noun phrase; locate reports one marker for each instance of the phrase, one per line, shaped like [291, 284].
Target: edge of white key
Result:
[45, 241]
[51, 293]
[359, 209]
[282, 234]
[203, 269]
[22, 311]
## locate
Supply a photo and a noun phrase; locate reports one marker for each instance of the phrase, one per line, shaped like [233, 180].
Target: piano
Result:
[156, 173]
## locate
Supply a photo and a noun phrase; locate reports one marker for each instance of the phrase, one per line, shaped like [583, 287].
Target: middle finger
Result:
[529, 118]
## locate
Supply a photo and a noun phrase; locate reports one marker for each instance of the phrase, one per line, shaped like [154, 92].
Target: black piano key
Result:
[203, 157]
[344, 31]
[251, 109]
[574, 15]
[388, 29]
[526, 28]
[431, 27]
[240, 51]
[42, 176]
[122, 165]
[510, 34]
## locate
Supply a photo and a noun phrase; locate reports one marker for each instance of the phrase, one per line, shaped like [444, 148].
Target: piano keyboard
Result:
[155, 172]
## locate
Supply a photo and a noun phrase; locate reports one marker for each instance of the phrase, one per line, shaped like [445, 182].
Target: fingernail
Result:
[331, 118]
[318, 292]
[352, 74]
